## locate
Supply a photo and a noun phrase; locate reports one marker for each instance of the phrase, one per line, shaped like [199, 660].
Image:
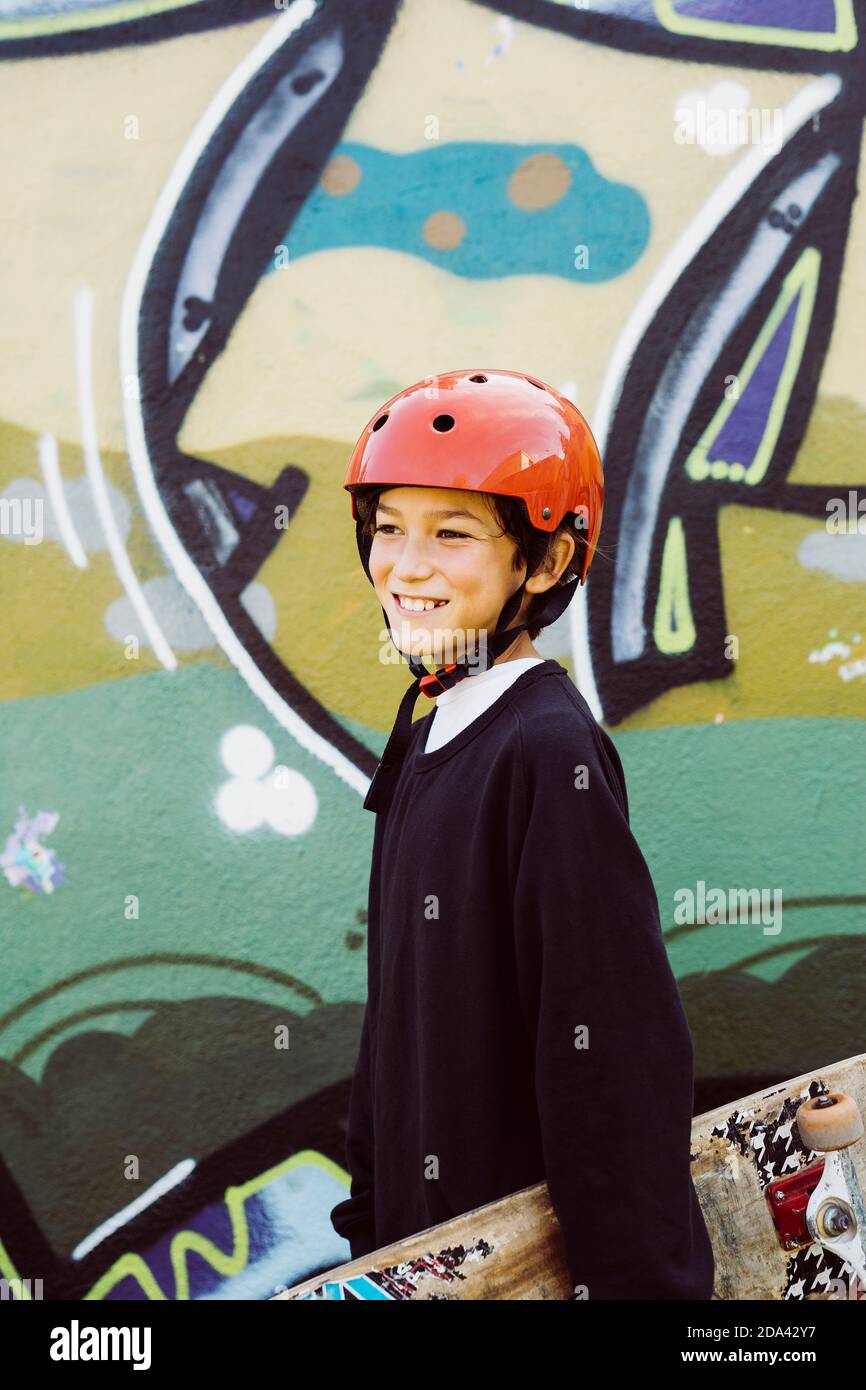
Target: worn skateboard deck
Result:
[759, 1185]
[748, 1159]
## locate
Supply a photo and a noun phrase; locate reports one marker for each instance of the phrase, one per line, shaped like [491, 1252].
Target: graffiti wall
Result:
[233, 230]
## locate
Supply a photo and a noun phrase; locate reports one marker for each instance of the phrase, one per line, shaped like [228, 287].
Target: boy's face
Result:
[444, 544]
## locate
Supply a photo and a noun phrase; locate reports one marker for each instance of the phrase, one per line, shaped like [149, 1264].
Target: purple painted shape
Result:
[812, 16]
[25, 861]
[242, 505]
[213, 1222]
[739, 437]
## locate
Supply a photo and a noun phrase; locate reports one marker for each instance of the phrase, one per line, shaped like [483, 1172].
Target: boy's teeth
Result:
[419, 605]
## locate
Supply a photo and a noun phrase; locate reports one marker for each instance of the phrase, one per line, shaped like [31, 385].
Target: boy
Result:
[522, 1021]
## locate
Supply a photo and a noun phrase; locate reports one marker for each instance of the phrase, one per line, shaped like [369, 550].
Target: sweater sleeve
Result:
[611, 1047]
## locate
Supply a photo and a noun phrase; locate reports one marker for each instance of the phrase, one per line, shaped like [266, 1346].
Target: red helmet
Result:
[487, 431]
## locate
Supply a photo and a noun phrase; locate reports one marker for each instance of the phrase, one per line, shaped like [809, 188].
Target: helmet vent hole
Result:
[478, 378]
[380, 422]
[535, 383]
[443, 423]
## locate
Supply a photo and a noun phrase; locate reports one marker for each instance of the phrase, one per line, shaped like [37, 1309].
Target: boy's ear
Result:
[558, 557]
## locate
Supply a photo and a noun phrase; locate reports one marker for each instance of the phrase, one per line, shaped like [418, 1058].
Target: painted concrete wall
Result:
[230, 233]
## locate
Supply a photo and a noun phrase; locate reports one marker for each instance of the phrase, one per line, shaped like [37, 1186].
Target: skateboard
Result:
[780, 1176]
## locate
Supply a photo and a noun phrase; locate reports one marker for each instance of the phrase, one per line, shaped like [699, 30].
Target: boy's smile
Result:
[416, 604]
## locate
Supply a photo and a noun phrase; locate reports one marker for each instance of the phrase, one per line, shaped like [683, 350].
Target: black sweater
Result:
[523, 1022]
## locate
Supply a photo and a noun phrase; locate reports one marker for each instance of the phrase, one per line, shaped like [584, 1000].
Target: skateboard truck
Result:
[824, 1202]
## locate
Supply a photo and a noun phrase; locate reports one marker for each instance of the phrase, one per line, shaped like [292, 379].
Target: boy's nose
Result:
[412, 561]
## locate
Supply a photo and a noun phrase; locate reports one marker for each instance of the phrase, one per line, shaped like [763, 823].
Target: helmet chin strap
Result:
[548, 609]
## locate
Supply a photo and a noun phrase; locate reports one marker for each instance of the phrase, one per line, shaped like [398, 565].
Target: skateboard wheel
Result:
[831, 1121]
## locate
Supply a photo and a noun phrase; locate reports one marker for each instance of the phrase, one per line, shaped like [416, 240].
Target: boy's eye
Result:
[388, 526]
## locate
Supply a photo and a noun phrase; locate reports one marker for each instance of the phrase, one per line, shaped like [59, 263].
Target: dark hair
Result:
[513, 518]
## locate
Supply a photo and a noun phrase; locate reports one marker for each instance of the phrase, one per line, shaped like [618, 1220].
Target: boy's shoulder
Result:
[550, 710]
[554, 722]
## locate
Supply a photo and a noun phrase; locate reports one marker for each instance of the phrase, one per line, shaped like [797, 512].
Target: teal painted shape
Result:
[397, 193]
[760, 803]
[133, 768]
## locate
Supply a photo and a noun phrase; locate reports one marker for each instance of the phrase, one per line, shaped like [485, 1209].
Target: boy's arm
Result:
[611, 1045]
[354, 1218]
